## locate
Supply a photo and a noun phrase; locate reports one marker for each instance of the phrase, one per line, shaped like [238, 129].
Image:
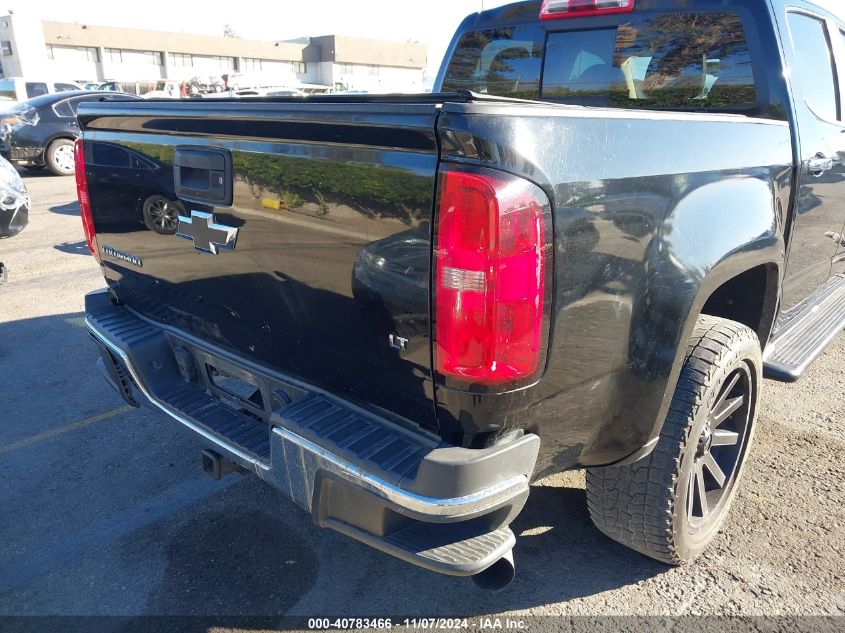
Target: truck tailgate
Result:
[319, 268]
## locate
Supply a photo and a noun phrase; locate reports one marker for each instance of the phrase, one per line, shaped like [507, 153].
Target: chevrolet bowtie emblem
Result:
[207, 235]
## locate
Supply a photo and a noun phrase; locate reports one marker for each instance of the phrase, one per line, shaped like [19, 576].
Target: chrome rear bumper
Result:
[397, 488]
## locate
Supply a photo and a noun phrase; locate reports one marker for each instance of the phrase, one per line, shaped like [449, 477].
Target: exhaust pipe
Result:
[498, 576]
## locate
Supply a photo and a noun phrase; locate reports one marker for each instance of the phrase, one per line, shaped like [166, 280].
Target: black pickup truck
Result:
[585, 249]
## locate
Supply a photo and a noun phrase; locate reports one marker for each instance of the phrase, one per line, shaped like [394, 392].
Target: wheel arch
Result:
[45, 152]
[68, 136]
[721, 255]
[750, 297]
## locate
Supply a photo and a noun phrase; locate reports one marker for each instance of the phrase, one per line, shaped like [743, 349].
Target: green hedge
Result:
[372, 190]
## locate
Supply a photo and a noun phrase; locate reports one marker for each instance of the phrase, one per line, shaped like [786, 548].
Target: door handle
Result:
[203, 175]
[819, 164]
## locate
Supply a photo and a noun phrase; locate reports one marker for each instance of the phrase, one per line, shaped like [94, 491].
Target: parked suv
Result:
[164, 90]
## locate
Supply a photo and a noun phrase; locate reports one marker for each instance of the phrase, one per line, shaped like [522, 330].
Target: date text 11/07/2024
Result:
[482, 623]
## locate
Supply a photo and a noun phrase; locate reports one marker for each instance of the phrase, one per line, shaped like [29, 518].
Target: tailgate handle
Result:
[203, 175]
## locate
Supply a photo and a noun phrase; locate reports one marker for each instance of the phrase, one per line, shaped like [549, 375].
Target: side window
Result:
[35, 89]
[139, 163]
[68, 107]
[65, 109]
[813, 67]
[60, 87]
[74, 104]
[109, 155]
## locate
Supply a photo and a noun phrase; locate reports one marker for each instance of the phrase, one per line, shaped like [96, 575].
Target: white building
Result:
[369, 65]
[30, 47]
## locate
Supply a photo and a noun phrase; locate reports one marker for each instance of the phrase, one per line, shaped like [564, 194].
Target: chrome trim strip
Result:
[230, 448]
[450, 507]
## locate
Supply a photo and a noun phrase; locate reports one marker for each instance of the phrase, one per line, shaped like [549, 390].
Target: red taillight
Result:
[82, 196]
[555, 9]
[490, 277]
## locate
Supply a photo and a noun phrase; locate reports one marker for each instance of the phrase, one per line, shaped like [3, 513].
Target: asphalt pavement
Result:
[104, 510]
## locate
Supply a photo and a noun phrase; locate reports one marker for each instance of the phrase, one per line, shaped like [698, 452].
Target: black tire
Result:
[56, 157]
[655, 505]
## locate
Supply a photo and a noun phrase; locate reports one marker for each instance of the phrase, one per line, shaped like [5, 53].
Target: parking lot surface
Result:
[104, 509]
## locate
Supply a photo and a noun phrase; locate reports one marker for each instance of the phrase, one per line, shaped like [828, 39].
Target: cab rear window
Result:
[675, 61]
[503, 62]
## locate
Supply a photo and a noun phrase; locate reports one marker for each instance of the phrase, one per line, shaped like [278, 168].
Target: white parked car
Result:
[242, 81]
[13, 90]
[165, 90]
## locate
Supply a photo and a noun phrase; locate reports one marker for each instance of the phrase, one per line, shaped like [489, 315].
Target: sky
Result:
[430, 22]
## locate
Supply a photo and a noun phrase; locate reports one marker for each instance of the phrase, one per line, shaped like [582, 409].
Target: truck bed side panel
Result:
[652, 211]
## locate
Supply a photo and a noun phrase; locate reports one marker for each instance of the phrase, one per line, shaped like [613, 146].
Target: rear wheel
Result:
[162, 215]
[59, 157]
[671, 504]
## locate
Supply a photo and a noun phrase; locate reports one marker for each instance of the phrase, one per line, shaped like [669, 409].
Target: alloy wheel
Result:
[163, 215]
[63, 158]
[720, 445]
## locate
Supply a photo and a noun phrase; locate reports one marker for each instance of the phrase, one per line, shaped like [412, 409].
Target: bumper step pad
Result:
[243, 430]
[360, 439]
[455, 549]
[458, 549]
[791, 351]
[248, 433]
